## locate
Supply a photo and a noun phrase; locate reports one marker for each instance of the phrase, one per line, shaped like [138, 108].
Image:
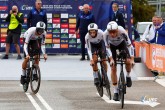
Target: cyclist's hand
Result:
[111, 61]
[132, 61]
[45, 56]
[27, 57]
[92, 63]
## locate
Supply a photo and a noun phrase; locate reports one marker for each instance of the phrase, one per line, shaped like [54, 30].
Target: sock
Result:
[23, 72]
[128, 74]
[115, 89]
[95, 74]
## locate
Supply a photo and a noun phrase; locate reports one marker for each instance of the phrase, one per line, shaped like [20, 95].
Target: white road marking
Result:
[152, 104]
[161, 82]
[33, 101]
[43, 102]
[145, 78]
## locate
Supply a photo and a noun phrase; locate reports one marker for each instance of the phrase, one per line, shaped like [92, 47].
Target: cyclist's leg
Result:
[24, 65]
[37, 59]
[102, 55]
[95, 67]
[128, 65]
[114, 74]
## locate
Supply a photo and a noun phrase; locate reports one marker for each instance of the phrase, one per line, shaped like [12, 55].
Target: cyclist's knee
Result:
[24, 64]
[95, 68]
[95, 57]
[113, 68]
[114, 84]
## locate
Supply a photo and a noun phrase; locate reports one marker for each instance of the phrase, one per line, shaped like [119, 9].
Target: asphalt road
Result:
[67, 84]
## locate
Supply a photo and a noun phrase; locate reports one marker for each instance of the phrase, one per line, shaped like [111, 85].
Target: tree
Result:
[142, 11]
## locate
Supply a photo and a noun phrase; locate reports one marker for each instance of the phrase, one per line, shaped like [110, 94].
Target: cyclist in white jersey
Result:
[115, 37]
[34, 42]
[95, 47]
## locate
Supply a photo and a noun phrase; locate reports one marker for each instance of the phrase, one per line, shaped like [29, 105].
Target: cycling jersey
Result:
[95, 42]
[121, 36]
[30, 35]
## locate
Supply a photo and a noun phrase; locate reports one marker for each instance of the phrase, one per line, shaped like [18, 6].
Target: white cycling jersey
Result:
[121, 35]
[95, 40]
[30, 34]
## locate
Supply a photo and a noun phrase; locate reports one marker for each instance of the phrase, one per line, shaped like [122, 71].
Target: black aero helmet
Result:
[40, 27]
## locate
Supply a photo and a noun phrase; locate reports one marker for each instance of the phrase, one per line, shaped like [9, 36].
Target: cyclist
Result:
[95, 47]
[34, 41]
[116, 37]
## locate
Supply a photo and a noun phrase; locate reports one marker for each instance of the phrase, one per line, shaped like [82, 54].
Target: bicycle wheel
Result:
[121, 86]
[26, 84]
[107, 83]
[35, 79]
[100, 87]
[107, 86]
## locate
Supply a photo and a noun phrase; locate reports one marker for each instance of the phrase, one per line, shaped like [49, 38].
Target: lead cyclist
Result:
[116, 37]
[34, 41]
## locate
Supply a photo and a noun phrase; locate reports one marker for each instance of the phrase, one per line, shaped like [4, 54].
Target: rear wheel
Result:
[35, 79]
[100, 87]
[122, 89]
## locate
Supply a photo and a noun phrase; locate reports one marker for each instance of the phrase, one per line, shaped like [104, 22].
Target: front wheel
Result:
[107, 86]
[122, 88]
[100, 87]
[35, 79]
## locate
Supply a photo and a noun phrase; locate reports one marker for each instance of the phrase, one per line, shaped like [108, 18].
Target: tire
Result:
[100, 87]
[107, 84]
[35, 84]
[122, 90]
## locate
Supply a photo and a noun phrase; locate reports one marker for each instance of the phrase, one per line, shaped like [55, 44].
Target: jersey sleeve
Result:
[88, 46]
[27, 36]
[125, 35]
[105, 38]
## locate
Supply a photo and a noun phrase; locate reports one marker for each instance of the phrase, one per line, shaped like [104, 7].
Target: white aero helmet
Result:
[112, 26]
[92, 26]
[40, 27]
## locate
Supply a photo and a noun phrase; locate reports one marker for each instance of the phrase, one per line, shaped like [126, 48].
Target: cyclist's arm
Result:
[88, 46]
[43, 49]
[27, 36]
[105, 38]
[131, 50]
[26, 48]
[128, 41]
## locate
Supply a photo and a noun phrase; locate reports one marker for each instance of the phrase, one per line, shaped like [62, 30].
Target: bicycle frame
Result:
[121, 82]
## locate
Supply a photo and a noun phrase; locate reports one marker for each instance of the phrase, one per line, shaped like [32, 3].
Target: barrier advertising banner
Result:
[152, 55]
[61, 16]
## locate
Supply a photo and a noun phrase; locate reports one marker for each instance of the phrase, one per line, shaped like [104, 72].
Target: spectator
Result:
[149, 33]
[117, 15]
[15, 20]
[135, 33]
[83, 20]
[160, 32]
[36, 14]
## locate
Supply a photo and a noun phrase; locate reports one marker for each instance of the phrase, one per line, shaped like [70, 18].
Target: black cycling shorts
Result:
[12, 37]
[99, 48]
[121, 46]
[34, 48]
